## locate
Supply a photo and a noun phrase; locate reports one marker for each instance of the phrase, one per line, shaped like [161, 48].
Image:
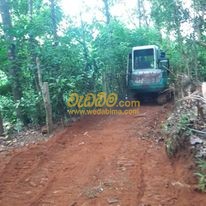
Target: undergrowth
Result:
[178, 133]
[201, 175]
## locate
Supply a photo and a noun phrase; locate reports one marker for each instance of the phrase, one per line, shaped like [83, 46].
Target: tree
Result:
[14, 70]
[87, 56]
[107, 10]
[53, 19]
[141, 14]
[169, 17]
[1, 125]
[107, 14]
[199, 24]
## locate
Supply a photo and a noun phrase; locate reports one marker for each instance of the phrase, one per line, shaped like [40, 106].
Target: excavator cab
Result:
[148, 70]
[163, 62]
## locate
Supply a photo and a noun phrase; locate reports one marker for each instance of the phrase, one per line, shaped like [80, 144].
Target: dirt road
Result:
[99, 161]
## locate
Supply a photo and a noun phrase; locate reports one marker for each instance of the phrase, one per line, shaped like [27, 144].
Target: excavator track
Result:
[165, 96]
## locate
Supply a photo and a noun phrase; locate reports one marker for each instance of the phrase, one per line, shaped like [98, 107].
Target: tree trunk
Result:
[1, 125]
[47, 105]
[107, 14]
[107, 11]
[54, 21]
[139, 13]
[46, 98]
[32, 45]
[87, 65]
[6, 18]
[14, 70]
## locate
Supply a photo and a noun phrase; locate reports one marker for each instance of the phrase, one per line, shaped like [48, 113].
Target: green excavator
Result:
[148, 74]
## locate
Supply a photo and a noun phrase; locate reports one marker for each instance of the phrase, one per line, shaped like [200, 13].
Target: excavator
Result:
[148, 74]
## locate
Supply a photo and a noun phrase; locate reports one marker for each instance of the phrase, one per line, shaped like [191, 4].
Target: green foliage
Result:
[169, 14]
[88, 57]
[177, 130]
[201, 175]
[183, 123]
[3, 78]
[145, 36]
[7, 107]
[112, 45]
[111, 50]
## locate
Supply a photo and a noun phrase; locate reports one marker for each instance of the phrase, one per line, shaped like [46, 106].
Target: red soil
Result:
[111, 160]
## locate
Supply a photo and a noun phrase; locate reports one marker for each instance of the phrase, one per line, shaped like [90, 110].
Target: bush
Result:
[201, 175]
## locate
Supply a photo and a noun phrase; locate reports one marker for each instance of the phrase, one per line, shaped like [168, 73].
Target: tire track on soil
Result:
[118, 152]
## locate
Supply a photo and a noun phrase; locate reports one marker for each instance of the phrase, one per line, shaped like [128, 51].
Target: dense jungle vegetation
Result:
[76, 55]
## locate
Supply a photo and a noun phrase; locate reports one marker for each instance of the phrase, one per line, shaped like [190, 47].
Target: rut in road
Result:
[100, 160]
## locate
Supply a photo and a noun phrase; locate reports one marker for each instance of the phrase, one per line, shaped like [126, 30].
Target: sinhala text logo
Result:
[101, 104]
